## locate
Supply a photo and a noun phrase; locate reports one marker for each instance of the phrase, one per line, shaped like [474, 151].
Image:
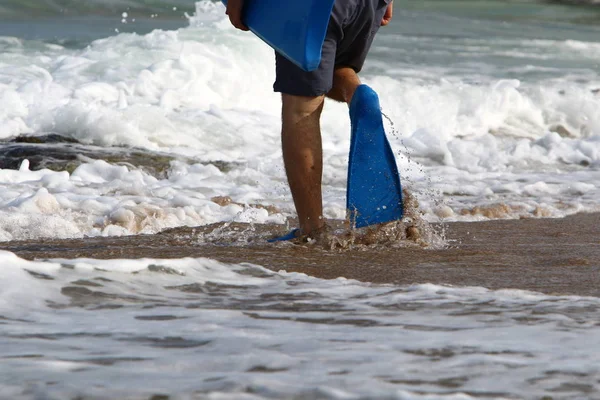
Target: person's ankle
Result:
[310, 228]
[319, 235]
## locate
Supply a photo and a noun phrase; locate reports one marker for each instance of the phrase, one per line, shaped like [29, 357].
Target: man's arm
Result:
[387, 17]
[235, 10]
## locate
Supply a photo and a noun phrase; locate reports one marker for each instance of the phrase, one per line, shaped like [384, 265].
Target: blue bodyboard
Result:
[294, 28]
[374, 193]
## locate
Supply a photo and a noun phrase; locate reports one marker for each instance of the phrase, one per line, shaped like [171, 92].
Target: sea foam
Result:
[462, 141]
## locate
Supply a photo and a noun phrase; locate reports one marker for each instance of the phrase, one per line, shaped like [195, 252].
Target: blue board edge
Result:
[294, 29]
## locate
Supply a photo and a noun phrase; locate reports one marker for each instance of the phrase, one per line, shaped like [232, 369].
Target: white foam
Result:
[205, 91]
[20, 291]
[242, 326]
[103, 199]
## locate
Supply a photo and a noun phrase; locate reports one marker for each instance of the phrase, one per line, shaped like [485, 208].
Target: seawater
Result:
[488, 114]
[493, 110]
[197, 328]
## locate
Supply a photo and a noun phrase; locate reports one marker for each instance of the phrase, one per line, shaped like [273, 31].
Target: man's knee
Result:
[345, 82]
[297, 108]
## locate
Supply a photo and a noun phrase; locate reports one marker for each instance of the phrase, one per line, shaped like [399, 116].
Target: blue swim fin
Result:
[293, 234]
[374, 194]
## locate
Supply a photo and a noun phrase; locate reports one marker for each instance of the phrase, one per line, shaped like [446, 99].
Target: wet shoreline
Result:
[552, 256]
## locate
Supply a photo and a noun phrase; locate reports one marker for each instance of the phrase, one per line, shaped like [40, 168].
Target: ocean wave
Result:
[510, 135]
[222, 330]
[156, 8]
[161, 8]
[577, 2]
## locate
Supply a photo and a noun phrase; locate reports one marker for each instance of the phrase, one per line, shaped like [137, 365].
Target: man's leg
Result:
[345, 82]
[303, 157]
[302, 147]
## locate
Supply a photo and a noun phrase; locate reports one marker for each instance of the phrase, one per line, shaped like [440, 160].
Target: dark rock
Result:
[60, 153]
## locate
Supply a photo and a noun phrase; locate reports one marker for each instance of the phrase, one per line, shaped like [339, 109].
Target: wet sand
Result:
[553, 256]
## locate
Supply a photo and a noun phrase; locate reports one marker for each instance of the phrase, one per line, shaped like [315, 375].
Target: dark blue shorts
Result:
[352, 28]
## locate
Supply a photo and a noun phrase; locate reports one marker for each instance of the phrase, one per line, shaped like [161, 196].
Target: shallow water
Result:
[212, 323]
[198, 328]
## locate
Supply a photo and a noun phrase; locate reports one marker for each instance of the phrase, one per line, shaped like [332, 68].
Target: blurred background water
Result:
[92, 19]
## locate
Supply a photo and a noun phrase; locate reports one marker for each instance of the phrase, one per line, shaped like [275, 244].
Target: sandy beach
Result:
[553, 256]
